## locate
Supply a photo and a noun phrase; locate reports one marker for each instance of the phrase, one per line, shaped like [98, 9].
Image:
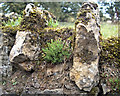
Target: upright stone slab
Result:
[25, 50]
[86, 52]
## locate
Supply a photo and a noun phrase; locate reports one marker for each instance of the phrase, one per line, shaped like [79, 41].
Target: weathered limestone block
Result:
[86, 52]
[26, 48]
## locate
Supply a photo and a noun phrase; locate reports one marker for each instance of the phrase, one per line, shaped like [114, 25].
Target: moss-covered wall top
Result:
[110, 51]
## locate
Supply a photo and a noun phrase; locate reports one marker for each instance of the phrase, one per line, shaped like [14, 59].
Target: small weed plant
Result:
[51, 23]
[56, 52]
[115, 84]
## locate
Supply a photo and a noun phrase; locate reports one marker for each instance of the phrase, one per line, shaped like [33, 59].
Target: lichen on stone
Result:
[81, 16]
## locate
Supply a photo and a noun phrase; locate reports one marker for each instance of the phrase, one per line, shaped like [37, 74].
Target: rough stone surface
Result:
[47, 80]
[5, 66]
[1, 68]
[26, 48]
[85, 71]
[35, 18]
[105, 88]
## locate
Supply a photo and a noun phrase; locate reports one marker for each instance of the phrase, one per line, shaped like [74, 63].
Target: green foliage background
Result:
[63, 10]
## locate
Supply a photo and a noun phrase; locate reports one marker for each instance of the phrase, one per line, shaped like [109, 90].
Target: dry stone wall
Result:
[30, 40]
[7, 39]
[6, 67]
[79, 76]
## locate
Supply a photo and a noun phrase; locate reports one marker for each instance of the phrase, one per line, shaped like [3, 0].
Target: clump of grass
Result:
[51, 23]
[66, 24]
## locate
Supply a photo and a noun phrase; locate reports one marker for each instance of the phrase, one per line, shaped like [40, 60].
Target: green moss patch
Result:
[110, 51]
[65, 34]
[81, 16]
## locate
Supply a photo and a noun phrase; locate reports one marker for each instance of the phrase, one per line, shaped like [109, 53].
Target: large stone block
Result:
[85, 71]
[26, 48]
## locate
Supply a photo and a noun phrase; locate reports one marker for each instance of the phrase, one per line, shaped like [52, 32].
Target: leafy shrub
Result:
[56, 52]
